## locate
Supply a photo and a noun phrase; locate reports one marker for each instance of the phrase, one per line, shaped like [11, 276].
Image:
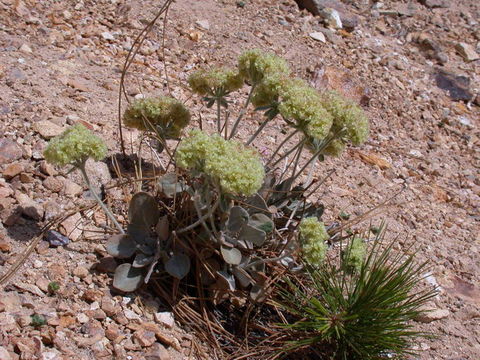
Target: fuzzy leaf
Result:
[242, 276]
[231, 255]
[127, 278]
[140, 234]
[121, 246]
[252, 234]
[143, 210]
[162, 228]
[171, 185]
[257, 203]
[178, 266]
[237, 217]
[262, 222]
[142, 260]
[227, 281]
[257, 293]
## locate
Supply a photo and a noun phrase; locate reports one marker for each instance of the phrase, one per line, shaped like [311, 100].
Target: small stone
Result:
[47, 129]
[53, 184]
[71, 188]
[47, 168]
[67, 15]
[9, 151]
[30, 207]
[331, 18]
[109, 306]
[108, 36]
[24, 320]
[42, 284]
[12, 170]
[26, 49]
[4, 354]
[157, 352]
[435, 3]
[81, 272]
[144, 338]
[72, 119]
[72, 228]
[92, 295]
[432, 315]
[5, 246]
[131, 315]
[203, 24]
[467, 52]
[37, 264]
[26, 178]
[82, 318]
[54, 238]
[165, 318]
[319, 36]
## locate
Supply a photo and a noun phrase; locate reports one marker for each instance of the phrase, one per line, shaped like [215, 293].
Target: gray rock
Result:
[467, 52]
[9, 151]
[47, 129]
[458, 86]
[319, 36]
[435, 3]
[316, 7]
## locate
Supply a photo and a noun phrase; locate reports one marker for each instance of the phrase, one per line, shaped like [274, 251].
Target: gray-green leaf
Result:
[143, 210]
[237, 217]
[231, 255]
[262, 222]
[171, 185]
[178, 266]
[127, 278]
[121, 246]
[252, 234]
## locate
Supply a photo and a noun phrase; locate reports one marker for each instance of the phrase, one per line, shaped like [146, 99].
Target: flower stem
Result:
[104, 207]
[242, 112]
[259, 130]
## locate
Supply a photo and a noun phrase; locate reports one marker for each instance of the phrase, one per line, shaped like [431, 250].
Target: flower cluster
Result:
[302, 103]
[355, 254]
[163, 114]
[238, 170]
[313, 236]
[74, 147]
[348, 117]
[254, 65]
[209, 82]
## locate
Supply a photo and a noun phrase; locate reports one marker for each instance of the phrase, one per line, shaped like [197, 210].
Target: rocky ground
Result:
[414, 66]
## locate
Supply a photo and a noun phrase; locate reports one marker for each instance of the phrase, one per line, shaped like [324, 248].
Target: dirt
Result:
[60, 63]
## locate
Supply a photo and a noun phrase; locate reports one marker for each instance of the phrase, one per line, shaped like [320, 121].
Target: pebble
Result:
[432, 315]
[158, 352]
[467, 52]
[30, 207]
[9, 151]
[82, 318]
[165, 318]
[53, 184]
[12, 170]
[332, 18]
[4, 354]
[319, 36]
[108, 36]
[203, 24]
[144, 337]
[26, 49]
[47, 129]
[54, 238]
[81, 272]
[71, 188]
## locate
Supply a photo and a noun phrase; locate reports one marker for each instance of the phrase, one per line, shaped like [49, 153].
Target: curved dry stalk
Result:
[137, 44]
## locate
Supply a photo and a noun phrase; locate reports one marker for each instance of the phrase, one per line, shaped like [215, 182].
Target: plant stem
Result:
[242, 112]
[219, 127]
[201, 219]
[104, 207]
[288, 152]
[281, 145]
[259, 130]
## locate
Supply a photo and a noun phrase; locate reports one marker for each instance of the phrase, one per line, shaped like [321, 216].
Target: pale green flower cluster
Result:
[268, 90]
[164, 114]
[302, 103]
[334, 148]
[313, 236]
[208, 82]
[347, 116]
[254, 65]
[355, 255]
[74, 147]
[238, 169]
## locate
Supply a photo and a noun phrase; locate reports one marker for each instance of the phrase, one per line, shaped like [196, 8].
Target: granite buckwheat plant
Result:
[229, 222]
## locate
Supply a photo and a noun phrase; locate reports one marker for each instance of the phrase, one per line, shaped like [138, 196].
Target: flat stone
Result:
[26, 49]
[30, 207]
[107, 36]
[317, 7]
[4, 354]
[432, 315]
[47, 168]
[9, 151]
[435, 3]
[47, 129]
[165, 318]
[157, 352]
[144, 338]
[53, 184]
[12, 170]
[467, 52]
[203, 24]
[319, 36]
[458, 86]
[72, 228]
[71, 188]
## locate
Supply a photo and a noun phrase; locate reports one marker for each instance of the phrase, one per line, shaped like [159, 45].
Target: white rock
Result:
[108, 36]
[332, 18]
[318, 36]
[4, 354]
[432, 315]
[203, 24]
[26, 49]
[82, 318]
[165, 318]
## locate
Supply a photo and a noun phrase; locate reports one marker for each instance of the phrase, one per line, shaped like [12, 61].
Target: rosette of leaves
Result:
[145, 245]
[241, 234]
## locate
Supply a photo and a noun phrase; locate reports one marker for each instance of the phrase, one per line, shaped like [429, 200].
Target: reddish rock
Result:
[12, 170]
[9, 151]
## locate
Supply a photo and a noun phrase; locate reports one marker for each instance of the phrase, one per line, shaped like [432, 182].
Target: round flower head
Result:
[302, 103]
[164, 114]
[209, 82]
[268, 90]
[354, 255]
[347, 116]
[238, 169]
[254, 65]
[74, 147]
[334, 148]
[312, 237]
